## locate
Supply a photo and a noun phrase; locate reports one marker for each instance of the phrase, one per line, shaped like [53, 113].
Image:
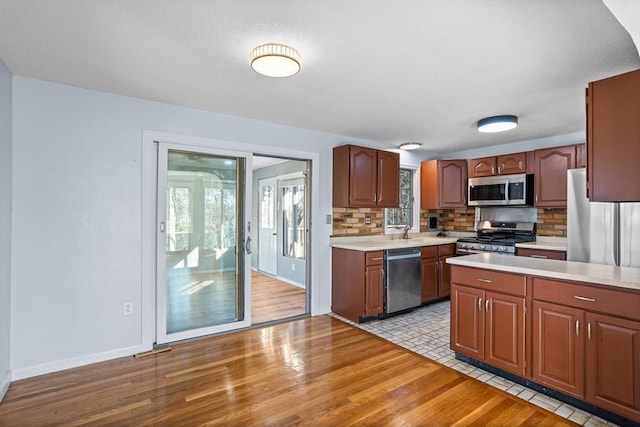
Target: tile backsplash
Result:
[354, 221]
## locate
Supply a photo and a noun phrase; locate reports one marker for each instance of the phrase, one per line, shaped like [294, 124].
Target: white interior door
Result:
[267, 227]
[203, 242]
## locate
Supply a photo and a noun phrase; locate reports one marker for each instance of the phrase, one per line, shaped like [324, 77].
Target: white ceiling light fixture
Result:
[410, 146]
[275, 60]
[497, 124]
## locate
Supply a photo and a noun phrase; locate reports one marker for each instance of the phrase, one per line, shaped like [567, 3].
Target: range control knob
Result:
[482, 246]
[495, 248]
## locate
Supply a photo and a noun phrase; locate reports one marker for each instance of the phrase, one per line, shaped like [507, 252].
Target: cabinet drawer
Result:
[373, 258]
[509, 283]
[448, 249]
[429, 251]
[592, 298]
[541, 253]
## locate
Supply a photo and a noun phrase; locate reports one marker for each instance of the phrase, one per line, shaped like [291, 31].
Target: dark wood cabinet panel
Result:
[436, 273]
[485, 166]
[373, 294]
[512, 163]
[443, 184]
[365, 177]
[541, 253]
[581, 155]
[613, 364]
[613, 138]
[551, 167]
[467, 321]
[445, 276]
[505, 332]
[388, 179]
[429, 279]
[558, 356]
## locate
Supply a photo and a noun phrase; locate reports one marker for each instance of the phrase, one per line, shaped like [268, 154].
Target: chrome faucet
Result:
[405, 233]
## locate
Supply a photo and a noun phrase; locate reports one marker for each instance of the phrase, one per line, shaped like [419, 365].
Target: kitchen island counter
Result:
[608, 275]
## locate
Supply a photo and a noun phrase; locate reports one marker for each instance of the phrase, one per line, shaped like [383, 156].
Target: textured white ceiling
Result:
[387, 71]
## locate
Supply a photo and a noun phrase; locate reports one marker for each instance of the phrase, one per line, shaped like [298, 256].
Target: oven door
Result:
[461, 251]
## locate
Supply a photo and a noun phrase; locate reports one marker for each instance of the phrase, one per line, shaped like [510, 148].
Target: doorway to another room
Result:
[280, 270]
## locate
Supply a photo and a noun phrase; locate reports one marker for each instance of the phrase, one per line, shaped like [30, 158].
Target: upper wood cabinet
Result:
[550, 182]
[500, 165]
[365, 177]
[581, 155]
[613, 138]
[443, 184]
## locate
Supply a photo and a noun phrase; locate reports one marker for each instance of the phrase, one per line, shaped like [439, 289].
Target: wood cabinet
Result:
[581, 155]
[500, 165]
[586, 343]
[436, 273]
[488, 317]
[541, 253]
[613, 138]
[357, 283]
[443, 184]
[550, 182]
[365, 177]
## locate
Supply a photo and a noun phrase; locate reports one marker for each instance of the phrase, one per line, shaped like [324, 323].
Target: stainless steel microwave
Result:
[503, 190]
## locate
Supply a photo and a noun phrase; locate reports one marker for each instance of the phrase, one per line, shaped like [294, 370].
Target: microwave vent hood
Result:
[503, 190]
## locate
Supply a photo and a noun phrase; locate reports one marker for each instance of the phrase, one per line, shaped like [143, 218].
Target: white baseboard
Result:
[74, 362]
[5, 382]
[320, 310]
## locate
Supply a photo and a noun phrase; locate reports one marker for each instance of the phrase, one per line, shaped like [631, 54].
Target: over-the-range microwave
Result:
[504, 190]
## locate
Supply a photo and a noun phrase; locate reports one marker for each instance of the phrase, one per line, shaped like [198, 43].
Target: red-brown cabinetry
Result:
[550, 182]
[613, 138]
[365, 177]
[500, 165]
[436, 273]
[443, 184]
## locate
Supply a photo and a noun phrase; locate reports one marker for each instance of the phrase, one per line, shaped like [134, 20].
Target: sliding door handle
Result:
[247, 245]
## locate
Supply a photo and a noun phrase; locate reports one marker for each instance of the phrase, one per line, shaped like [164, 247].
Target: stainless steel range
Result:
[495, 236]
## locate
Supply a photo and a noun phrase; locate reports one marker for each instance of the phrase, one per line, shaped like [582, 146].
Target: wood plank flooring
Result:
[273, 299]
[315, 371]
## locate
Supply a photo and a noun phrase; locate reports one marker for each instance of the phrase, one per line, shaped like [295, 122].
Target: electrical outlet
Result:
[127, 308]
[293, 267]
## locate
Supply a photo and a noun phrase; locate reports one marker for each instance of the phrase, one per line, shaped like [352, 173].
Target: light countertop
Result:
[622, 277]
[381, 243]
[546, 243]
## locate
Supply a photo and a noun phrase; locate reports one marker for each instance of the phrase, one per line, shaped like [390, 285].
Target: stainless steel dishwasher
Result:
[403, 286]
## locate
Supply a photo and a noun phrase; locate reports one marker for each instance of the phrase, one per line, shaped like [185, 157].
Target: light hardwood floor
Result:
[273, 299]
[315, 371]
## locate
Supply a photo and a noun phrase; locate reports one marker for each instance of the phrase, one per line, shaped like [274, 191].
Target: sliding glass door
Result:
[204, 240]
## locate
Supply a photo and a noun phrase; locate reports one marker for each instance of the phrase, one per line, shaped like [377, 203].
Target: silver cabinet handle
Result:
[480, 304]
[373, 197]
[538, 256]
[493, 169]
[486, 305]
[382, 275]
[589, 330]
[376, 259]
[578, 297]
[484, 280]
[577, 328]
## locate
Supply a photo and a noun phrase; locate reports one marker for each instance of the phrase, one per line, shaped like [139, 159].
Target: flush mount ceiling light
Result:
[497, 124]
[410, 145]
[275, 60]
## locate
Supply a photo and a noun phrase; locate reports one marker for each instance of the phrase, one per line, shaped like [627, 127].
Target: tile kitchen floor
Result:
[426, 331]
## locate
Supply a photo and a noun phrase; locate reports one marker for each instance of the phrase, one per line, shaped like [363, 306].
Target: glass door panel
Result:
[202, 280]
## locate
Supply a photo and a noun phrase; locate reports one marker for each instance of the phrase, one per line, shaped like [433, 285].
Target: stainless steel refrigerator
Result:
[600, 233]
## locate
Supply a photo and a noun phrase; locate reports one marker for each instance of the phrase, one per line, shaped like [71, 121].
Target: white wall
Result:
[5, 227]
[78, 225]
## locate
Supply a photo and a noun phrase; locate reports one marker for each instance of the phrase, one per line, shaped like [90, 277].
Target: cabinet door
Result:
[512, 163]
[541, 253]
[373, 290]
[444, 286]
[429, 279]
[581, 155]
[363, 181]
[467, 321]
[453, 183]
[613, 138]
[558, 342]
[505, 332]
[551, 167]
[388, 179]
[485, 166]
[613, 364]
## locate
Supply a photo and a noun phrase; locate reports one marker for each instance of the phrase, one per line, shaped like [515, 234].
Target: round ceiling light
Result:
[275, 60]
[497, 124]
[410, 145]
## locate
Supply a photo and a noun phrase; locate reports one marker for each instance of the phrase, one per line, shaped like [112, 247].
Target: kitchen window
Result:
[408, 214]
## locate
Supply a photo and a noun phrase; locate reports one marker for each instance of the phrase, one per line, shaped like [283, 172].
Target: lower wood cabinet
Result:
[357, 283]
[488, 325]
[541, 253]
[436, 273]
